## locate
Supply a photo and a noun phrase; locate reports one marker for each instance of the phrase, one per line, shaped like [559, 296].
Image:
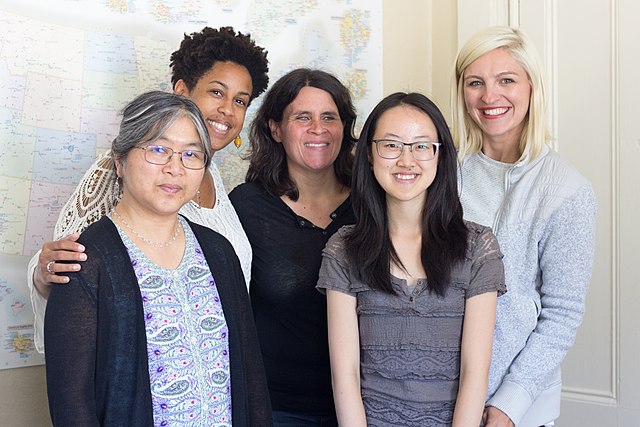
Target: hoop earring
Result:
[237, 141]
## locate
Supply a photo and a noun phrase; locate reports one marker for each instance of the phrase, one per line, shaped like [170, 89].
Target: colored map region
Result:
[67, 67]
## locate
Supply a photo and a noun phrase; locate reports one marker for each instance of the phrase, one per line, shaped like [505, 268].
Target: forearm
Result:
[475, 358]
[348, 400]
[565, 263]
[470, 399]
[38, 303]
[344, 351]
[70, 333]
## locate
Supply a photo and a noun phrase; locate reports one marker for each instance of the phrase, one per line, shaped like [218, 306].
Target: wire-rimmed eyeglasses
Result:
[161, 155]
[392, 149]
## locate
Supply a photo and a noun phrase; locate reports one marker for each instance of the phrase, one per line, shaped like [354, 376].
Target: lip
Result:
[316, 145]
[170, 188]
[219, 127]
[494, 112]
[405, 177]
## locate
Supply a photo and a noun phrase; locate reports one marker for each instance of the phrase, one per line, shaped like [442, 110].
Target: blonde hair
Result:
[467, 135]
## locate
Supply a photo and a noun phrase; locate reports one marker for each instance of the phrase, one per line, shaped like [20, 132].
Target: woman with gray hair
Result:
[156, 328]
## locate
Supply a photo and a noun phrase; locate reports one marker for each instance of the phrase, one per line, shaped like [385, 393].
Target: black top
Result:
[96, 345]
[291, 315]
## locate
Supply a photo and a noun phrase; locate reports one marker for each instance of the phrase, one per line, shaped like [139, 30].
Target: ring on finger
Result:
[49, 265]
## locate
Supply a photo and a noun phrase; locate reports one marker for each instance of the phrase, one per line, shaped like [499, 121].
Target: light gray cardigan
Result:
[546, 228]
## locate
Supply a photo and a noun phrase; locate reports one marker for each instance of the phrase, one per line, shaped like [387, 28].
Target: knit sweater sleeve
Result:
[565, 255]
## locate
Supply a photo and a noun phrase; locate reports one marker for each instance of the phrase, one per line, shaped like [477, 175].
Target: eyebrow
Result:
[224, 85]
[397, 137]
[188, 144]
[324, 113]
[501, 74]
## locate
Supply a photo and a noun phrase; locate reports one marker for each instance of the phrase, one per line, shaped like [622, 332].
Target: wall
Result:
[419, 46]
[23, 397]
[591, 60]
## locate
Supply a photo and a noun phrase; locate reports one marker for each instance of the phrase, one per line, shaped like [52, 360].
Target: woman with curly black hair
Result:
[222, 71]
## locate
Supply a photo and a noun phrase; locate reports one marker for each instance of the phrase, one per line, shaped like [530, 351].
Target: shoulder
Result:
[99, 233]
[244, 191]
[481, 242]
[207, 236]
[335, 247]
[553, 170]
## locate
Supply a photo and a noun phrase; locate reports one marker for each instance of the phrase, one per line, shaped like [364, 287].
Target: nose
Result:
[317, 126]
[406, 158]
[175, 166]
[490, 94]
[225, 106]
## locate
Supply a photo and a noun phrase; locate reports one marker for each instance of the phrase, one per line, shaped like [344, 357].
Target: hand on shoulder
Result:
[58, 256]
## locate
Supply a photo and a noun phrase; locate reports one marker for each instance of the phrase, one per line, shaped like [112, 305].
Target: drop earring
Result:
[199, 204]
[237, 141]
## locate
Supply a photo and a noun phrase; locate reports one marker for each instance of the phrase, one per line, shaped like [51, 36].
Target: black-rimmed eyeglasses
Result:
[392, 149]
[161, 155]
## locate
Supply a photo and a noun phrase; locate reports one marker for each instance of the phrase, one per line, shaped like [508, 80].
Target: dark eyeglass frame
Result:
[435, 144]
[171, 152]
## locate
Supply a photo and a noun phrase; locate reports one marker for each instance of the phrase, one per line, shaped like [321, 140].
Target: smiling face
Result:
[497, 93]
[159, 190]
[310, 131]
[222, 94]
[404, 179]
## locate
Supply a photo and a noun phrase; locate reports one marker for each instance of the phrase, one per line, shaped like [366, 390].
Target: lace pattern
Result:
[96, 195]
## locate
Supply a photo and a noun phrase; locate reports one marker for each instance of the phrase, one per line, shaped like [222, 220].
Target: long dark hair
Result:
[267, 158]
[444, 234]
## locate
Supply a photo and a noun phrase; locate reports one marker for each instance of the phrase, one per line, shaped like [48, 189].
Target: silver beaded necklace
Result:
[114, 213]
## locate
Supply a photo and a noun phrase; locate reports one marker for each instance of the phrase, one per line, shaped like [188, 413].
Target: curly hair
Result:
[267, 159]
[199, 52]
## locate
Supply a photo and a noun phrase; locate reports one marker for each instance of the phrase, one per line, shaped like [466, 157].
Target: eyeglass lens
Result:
[160, 155]
[421, 150]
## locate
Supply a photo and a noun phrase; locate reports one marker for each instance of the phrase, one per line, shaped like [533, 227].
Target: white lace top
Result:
[97, 194]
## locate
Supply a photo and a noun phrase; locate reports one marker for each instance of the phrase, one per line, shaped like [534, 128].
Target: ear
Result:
[119, 167]
[181, 88]
[275, 130]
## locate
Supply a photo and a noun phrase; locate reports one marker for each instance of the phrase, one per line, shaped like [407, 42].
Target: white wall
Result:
[590, 52]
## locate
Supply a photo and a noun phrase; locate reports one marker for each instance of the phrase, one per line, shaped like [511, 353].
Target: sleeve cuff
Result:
[511, 399]
[39, 305]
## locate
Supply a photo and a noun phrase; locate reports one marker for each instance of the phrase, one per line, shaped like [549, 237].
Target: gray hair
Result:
[148, 117]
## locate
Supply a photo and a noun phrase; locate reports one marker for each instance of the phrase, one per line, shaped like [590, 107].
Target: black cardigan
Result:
[96, 346]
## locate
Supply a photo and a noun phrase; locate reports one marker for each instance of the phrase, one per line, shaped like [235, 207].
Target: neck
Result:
[505, 149]
[405, 218]
[318, 184]
[154, 229]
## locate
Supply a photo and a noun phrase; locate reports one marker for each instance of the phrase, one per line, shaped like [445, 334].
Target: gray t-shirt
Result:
[410, 342]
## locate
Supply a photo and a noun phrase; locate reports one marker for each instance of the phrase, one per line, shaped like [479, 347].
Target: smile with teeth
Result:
[495, 111]
[405, 176]
[316, 145]
[221, 127]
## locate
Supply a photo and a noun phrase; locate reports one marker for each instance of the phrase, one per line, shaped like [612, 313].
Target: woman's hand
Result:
[494, 417]
[59, 256]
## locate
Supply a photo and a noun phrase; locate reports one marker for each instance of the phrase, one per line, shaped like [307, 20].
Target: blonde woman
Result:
[542, 212]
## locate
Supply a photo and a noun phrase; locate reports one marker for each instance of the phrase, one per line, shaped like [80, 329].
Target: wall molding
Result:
[589, 396]
[615, 203]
